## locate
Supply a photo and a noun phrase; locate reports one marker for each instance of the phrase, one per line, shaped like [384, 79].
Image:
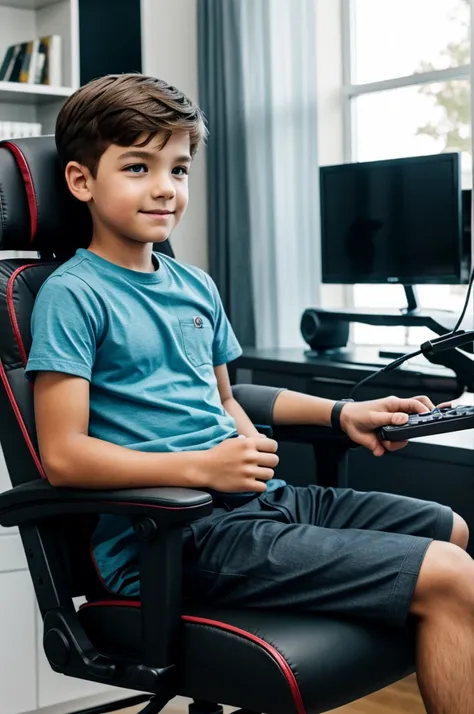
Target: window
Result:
[406, 93]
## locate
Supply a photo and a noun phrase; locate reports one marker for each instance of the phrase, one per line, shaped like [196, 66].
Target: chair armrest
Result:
[257, 401]
[159, 515]
[37, 500]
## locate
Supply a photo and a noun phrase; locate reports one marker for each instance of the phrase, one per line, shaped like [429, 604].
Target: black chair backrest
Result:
[37, 214]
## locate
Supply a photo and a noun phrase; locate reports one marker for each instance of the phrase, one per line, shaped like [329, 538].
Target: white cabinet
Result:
[12, 557]
[17, 643]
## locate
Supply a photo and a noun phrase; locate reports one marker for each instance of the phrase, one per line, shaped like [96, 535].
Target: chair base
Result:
[117, 706]
[199, 707]
[155, 704]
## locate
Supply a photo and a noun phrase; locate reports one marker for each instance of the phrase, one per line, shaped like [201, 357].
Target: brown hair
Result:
[118, 109]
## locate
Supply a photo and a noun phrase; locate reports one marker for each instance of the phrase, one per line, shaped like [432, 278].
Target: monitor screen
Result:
[396, 221]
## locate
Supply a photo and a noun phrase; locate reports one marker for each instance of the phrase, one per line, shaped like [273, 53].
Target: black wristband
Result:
[336, 415]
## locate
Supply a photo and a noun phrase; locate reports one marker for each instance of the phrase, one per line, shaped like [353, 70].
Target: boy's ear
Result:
[78, 179]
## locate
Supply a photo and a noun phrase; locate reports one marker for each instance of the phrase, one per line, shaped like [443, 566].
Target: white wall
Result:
[329, 78]
[169, 32]
[330, 109]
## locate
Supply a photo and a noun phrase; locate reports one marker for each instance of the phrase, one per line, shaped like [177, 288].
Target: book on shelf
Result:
[18, 129]
[34, 62]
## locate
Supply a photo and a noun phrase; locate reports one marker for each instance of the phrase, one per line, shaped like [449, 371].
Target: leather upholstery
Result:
[55, 222]
[14, 211]
[275, 662]
[169, 506]
[37, 212]
[20, 281]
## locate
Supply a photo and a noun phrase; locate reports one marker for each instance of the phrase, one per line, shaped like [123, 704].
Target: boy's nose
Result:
[163, 189]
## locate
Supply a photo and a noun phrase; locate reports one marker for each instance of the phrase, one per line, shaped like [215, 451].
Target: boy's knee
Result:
[460, 534]
[445, 581]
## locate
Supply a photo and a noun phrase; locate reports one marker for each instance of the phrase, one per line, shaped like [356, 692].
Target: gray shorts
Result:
[333, 551]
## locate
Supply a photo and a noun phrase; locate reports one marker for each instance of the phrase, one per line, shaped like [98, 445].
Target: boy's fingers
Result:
[265, 474]
[394, 445]
[371, 442]
[417, 405]
[399, 418]
[384, 418]
[266, 458]
[426, 401]
[266, 445]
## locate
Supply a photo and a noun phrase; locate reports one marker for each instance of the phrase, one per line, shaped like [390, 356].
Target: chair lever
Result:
[70, 651]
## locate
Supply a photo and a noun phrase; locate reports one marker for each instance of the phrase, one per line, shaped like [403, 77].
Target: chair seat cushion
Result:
[266, 661]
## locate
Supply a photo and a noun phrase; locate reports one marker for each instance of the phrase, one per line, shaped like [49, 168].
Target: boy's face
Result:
[140, 193]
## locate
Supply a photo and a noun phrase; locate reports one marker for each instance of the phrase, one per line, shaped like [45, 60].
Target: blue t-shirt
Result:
[147, 343]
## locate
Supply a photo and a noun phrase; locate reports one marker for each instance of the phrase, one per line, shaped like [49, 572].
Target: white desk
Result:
[454, 439]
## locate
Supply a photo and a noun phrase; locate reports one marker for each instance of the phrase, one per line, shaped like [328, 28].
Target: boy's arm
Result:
[70, 457]
[231, 405]
[359, 420]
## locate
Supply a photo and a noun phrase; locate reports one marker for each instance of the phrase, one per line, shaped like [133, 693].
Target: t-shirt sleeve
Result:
[65, 325]
[225, 346]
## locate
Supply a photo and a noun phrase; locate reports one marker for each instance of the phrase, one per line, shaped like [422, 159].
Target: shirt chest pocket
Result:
[197, 340]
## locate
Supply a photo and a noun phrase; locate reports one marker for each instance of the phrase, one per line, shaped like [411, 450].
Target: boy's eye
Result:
[136, 168]
[181, 170]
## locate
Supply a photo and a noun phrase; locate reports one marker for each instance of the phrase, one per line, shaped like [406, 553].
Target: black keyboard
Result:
[438, 421]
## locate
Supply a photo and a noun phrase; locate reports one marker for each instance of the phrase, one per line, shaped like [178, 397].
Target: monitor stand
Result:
[439, 321]
[411, 308]
[412, 298]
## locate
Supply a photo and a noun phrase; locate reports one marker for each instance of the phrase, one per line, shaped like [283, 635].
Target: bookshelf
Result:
[97, 37]
[27, 20]
[28, 94]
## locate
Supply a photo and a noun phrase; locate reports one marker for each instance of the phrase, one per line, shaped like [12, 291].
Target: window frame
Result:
[352, 90]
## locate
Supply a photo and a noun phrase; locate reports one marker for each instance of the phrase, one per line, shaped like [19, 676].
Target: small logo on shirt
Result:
[198, 322]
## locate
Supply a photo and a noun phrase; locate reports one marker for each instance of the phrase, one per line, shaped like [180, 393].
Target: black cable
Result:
[400, 360]
[466, 303]
[387, 368]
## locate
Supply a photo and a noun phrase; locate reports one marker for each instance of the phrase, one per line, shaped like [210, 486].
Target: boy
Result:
[129, 359]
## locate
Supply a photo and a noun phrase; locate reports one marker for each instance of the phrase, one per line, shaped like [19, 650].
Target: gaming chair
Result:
[277, 662]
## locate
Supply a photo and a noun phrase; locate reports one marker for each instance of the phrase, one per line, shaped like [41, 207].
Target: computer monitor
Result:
[395, 221]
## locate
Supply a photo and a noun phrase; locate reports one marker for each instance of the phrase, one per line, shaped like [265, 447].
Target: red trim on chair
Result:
[21, 347]
[19, 418]
[153, 505]
[108, 603]
[29, 186]
[277, 656]
[12, 312]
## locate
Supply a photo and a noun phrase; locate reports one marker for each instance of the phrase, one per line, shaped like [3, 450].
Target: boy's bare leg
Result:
[444, 604]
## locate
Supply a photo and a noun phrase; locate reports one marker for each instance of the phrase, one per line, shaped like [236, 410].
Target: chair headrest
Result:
[37, 211]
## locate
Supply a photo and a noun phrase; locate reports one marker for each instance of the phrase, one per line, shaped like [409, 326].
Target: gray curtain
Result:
[221, 97]
[257, 74]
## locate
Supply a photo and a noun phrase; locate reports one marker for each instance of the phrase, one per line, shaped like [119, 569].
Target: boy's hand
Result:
[242, 464]
[360, 420]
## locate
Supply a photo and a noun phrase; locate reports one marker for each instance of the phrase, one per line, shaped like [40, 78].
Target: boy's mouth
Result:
[158, 212]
